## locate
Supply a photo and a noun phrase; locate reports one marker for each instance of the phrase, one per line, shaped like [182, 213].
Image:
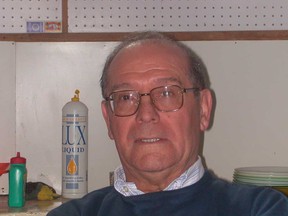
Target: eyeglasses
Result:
[164, 98]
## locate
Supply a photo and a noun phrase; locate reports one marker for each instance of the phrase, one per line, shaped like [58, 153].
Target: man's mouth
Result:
[150, 140]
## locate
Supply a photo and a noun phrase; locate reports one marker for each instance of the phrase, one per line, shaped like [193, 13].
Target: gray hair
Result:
[197, 70]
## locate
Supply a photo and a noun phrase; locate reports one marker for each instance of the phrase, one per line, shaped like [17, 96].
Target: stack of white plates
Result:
[262, 176]
[276, 177]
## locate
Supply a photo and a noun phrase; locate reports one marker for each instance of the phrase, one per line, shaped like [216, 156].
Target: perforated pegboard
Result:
[16, 14]
[134, 15]
[176, 15]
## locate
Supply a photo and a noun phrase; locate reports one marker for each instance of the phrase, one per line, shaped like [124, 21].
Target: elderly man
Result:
[156, 106]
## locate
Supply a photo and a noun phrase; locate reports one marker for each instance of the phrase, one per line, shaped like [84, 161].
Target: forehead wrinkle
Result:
[160, 81]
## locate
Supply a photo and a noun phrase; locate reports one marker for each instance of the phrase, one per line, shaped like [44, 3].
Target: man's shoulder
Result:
[260, 199]
[220, 185]
[100, 193]
[91, 202]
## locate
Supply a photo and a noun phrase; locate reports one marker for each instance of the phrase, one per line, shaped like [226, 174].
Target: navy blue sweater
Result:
[208, 197]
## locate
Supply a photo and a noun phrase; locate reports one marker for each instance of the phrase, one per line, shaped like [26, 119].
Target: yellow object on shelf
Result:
[40, 191]
[46, 193]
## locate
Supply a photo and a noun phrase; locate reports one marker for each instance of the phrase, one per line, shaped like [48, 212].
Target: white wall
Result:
[248, 77]
[250, 126]
[7, 103]
[47, 76]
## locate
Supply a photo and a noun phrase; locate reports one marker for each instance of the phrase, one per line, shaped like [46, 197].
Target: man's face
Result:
[151, 141]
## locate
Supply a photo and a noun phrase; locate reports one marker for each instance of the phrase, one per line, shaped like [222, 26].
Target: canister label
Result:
[74, 158]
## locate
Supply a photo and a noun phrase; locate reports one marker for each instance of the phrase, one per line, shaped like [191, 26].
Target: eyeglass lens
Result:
[165, 99]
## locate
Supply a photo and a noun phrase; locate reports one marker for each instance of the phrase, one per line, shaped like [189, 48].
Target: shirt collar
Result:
[189, 177]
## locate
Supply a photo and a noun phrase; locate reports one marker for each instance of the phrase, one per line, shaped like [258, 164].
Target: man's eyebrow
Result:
[167, 79]
[121, 86]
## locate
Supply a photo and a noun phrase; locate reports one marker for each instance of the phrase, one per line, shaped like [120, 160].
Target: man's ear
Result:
[206, 104]
[105, 113]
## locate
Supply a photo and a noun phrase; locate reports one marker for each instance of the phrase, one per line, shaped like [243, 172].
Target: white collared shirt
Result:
[189, 177]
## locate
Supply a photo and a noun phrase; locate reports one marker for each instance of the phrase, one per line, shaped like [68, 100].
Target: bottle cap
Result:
[18, 159]
[76, 96]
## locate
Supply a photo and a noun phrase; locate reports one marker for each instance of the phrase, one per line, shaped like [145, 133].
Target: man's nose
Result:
[147, 112]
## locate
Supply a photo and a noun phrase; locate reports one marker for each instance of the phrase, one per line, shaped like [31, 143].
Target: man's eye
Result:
[167, 94]
[125, 97]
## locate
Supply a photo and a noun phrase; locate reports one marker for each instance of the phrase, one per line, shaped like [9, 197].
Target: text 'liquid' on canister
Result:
[17, 181]
[74, 148]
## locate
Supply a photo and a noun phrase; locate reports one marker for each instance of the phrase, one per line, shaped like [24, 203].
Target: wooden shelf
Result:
[184, 36]
[32, 207]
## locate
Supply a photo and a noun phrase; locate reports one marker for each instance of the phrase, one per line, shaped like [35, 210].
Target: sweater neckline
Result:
[186, 192]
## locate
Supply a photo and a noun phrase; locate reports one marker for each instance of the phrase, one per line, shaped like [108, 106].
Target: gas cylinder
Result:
[74, 148]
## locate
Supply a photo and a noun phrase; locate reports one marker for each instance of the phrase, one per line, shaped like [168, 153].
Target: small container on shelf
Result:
[17, 181]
